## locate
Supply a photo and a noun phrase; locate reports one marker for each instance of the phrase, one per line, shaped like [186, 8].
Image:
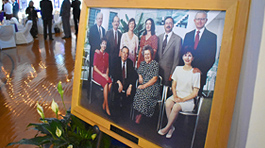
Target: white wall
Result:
[242, 132]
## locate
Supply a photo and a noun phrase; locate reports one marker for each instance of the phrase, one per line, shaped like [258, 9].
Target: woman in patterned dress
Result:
[145, 98]
[130, 40]
[101, 72]
[148, 38]
[185, 87]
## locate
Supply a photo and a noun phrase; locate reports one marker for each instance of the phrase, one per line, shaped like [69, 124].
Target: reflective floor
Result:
[30, 74]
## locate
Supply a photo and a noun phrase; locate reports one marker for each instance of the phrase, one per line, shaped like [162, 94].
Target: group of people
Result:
[10, 9]
[47, 8]
[182, 66]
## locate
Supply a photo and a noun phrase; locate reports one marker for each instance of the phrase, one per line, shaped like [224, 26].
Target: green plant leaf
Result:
[127, 18]
[34, 141]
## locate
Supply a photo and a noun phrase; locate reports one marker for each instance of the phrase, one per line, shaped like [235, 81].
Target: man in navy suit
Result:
[204, 44]
[96, 32]
[114, 38]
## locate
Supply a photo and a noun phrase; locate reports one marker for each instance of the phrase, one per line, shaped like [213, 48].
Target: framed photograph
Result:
[131, 56]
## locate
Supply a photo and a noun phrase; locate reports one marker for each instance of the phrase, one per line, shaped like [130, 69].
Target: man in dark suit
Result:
[169, 46]
[46, 10]
[65, 13]
[124, 79]
[204, 44]
[114, 38]
[96, 32]
[76, 12]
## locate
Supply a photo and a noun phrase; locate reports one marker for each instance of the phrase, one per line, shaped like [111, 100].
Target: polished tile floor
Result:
[30, 74]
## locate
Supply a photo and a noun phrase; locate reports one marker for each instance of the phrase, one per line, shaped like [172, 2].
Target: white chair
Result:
[57, 23]
[7, 36]
[15, 21]
[24, 36]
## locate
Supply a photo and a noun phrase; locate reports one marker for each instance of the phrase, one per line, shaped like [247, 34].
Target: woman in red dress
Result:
[101, 72]
[148, 38]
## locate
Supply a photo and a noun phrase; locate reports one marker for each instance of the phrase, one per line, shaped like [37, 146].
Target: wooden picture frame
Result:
[234, 33]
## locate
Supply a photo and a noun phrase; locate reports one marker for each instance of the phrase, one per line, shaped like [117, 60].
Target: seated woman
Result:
[185, 87]
[145, 98]
[101, 72]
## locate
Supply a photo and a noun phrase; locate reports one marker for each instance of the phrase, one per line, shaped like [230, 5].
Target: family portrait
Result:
[152, 71]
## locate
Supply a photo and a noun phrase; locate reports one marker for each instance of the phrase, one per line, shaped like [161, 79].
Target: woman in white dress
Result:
[130, 40]
[185, 87]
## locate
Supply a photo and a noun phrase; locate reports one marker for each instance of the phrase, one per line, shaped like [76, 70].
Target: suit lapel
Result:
[170, 42]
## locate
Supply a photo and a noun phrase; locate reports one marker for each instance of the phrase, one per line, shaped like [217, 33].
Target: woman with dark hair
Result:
[185, 87]
[145, 98]
[130, 40]
[101, 72]
[148, 38]
[32, 15]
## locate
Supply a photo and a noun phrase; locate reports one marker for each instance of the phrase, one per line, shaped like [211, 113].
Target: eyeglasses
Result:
[200, 19]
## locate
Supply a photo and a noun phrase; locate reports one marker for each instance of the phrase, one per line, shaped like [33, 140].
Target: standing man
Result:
[96, 32]
[15, 9]
[46, 9]
[168, 51]
[76, 12]
[114, 38]
[204, 44]
[124, 80]
[65, 14]
[8, 10]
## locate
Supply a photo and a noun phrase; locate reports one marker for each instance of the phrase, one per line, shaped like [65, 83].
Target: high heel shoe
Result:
[170, 132]
[161, 133]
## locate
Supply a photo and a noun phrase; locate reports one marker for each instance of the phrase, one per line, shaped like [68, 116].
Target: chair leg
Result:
[90, 92]
[194, 132]
[132, 112]
[161, 112]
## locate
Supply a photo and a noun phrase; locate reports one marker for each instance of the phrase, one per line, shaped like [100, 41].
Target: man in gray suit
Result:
[169, 45]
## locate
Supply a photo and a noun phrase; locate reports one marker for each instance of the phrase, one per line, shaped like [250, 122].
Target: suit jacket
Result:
[169, 59]
[65, 9]
[46, 9]
[94, 38]
[132, 75]
[204, 55]
[113, 49]
[76, 7]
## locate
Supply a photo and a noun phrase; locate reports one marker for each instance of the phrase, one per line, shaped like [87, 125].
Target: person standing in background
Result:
[65, 14]
[76, 12]
[32, 15]
[8, 10]
[46, 9]
[15, 9]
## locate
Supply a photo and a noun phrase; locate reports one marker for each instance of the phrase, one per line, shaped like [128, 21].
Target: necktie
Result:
[99, 31]
[197, 37]
[164, 44]
[123, 72]
[115, 38]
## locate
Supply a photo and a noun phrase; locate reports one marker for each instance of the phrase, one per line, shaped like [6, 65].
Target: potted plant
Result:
[66, 132]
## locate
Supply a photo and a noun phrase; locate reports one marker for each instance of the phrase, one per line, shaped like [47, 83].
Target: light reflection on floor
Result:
[31, 74]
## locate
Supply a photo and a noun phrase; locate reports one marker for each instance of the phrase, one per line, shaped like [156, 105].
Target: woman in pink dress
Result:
[101, 72]
[148, 38]
[130, 40]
